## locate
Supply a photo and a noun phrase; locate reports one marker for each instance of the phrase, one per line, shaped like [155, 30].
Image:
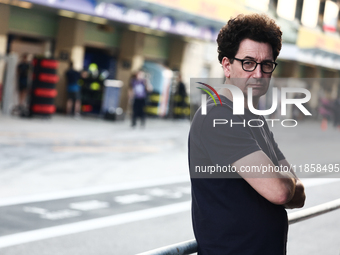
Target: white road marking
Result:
[92, 191]
[36, 210]
[167, 193]
[150, 194]
[52, 215]
[60, 214]
[132, 198]
[89, 205]
[45, 233]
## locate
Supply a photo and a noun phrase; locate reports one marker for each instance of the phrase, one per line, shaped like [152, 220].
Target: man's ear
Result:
[226, 67]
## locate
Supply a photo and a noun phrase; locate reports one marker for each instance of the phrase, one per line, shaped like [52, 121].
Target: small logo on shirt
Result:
[207, 91]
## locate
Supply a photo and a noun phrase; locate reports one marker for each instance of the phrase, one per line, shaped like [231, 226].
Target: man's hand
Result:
[298, 200]
[299, 197]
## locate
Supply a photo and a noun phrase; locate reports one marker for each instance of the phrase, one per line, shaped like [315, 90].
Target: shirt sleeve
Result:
[278, 152]
[226, 143]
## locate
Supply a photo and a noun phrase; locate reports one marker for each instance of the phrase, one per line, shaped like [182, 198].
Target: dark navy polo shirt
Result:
[228, 215]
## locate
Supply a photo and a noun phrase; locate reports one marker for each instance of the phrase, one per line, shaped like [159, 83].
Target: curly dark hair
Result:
[257, 27]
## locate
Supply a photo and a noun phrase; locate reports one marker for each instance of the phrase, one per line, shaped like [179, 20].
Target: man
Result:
[138, 92]
[24, 68]
[243, 213]
[180, 99]
[73, 91]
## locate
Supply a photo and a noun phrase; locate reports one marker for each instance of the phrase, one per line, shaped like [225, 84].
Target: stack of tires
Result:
[43, 87]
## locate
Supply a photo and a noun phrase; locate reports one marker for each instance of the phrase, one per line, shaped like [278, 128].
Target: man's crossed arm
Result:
[298, 200]
[282, 188]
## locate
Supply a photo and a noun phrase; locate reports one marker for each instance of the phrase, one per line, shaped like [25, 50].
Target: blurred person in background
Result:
[24, 69]
[138, 92]
[336, 113]
[180, 98]
[73, 91]
[325, 111]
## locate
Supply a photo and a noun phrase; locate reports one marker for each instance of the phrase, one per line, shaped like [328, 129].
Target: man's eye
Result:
[267, 64]
[248, 63]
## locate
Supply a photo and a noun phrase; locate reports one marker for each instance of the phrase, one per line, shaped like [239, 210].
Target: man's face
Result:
[257, 80]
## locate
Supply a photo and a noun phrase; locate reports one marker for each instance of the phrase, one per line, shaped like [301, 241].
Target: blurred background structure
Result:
[120, 37]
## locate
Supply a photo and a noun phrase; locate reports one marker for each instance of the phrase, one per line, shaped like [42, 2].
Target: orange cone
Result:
[324, 123]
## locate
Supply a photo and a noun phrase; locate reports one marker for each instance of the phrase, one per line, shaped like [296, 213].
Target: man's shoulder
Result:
[213, 112]
[217, 123]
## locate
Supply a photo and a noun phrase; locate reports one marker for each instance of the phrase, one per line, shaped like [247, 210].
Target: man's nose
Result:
[257, 73]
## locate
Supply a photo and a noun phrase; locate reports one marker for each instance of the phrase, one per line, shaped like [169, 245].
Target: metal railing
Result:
[190, 247]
